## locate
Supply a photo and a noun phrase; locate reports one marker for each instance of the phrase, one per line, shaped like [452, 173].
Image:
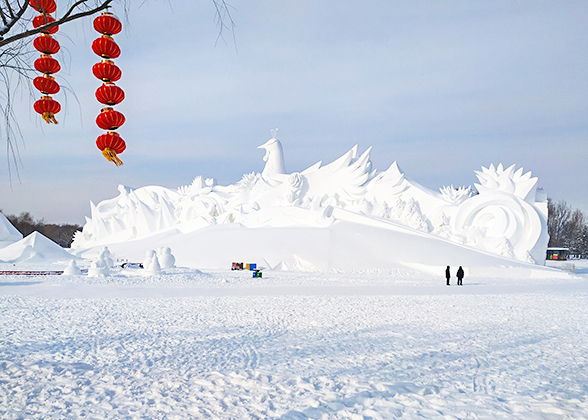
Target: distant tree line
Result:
[567, 228]
[60, 234]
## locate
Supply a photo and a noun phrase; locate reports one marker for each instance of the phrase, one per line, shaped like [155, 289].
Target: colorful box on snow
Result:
[241, 266]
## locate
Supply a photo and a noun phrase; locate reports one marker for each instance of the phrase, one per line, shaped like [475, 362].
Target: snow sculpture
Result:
[101, 267]
[165, 258]
[274, 157]
[508, 216]
[149, 256]
[98, 269]
[105, 256]
[72, 269]
[151, 263]
[504, 216]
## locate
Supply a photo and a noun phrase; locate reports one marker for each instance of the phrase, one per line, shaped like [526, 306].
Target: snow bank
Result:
[344, 245]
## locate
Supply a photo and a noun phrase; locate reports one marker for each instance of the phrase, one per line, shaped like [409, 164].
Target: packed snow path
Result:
[292, 346]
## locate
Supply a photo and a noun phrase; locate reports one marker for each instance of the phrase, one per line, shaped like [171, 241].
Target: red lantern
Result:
[106, 71]
[44, 6]
[111, 144]
[46, 44]
[47, 64]
[46, 84]
[109, 119]
[110, 94]
[105, 47]
[107, 24]
[44, 19]
[47, 107]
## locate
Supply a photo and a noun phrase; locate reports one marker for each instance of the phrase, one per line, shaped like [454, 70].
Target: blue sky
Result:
[441, 87]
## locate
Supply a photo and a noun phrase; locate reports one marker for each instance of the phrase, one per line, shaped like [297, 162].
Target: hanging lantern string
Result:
[47, 107]
[111, 144]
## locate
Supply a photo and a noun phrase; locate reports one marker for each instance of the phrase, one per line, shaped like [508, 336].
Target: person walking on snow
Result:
[459, 276]
[447, 274]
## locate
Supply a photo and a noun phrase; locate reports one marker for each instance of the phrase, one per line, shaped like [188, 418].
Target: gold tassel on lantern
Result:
[49, 117]
[110, 155]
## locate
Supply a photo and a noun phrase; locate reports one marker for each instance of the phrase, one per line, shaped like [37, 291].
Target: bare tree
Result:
[16, 71]
[574, 232]
[559, 216]
[567, 227]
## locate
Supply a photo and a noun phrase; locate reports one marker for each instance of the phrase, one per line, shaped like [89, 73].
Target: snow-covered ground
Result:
[377, 344]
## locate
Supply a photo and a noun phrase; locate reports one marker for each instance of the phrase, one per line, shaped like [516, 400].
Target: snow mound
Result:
[8, 233]
[34, 248]
[345, 245]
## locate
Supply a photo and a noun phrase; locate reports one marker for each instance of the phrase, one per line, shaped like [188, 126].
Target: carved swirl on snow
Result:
[296, 180]
[495, 221]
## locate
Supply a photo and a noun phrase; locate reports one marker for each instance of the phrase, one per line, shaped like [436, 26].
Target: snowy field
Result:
[332, 345]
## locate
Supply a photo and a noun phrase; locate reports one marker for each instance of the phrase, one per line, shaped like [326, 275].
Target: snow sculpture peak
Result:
[507, 180]
[274, 157]
[456, 195]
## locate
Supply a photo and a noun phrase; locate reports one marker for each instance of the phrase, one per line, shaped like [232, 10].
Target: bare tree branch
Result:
[67, 17]
[223, 14]
[10, 8]
[3, 16]
[15, 18]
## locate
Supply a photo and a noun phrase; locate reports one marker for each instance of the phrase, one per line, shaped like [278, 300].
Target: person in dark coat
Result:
[459, 276]
[447, 274]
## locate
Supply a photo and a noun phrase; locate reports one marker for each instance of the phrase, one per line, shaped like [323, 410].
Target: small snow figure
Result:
[447, 274]
[154, 267]
[105, 256]
[149, 255]
[459, 276]
[98, 269]
[72, 269]
[165, 257]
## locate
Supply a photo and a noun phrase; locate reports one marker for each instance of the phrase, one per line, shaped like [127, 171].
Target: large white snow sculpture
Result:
[507, 216]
